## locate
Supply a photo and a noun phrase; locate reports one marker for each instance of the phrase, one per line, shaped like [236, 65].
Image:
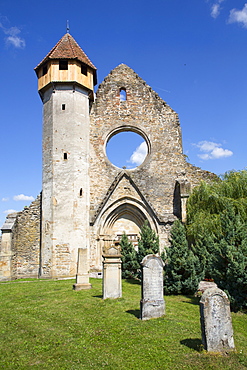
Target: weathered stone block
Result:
[216, 322]
[152, 302]
[112, 273]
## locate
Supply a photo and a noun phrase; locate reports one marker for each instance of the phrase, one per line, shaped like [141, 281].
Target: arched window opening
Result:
[123, 94]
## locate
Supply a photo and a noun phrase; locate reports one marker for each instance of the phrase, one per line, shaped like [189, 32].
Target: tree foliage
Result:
[230, 259]
[217, 232]
[182, 269]
[148, 243]
[129, 258]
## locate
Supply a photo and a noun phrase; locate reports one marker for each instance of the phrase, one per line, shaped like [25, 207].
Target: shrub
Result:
[182, 269]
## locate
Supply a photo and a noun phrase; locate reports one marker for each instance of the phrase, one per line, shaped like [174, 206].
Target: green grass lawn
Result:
[47, 325]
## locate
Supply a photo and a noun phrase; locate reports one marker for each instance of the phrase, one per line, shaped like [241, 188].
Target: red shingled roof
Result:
[67, 48]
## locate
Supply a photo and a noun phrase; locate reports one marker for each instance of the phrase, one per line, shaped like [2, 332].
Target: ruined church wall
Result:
[144, 112]
[26, 241]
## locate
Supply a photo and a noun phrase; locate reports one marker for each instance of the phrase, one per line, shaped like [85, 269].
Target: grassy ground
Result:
[47, 325]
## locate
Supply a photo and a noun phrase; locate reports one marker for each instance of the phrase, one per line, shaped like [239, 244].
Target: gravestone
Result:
[152, 302]
[82, 277]
[216, 323]
[112, 273]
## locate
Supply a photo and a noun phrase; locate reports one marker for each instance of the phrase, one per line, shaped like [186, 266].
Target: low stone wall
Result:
[26, 241]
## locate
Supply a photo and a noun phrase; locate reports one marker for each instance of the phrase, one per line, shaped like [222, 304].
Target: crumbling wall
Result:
[26, 241]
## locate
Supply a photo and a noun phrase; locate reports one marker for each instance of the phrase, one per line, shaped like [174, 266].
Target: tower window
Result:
[44, 70]
[80, 192]
[63, 65]
[65, 155]
[63, 106]
[123, 95]
[83, 69]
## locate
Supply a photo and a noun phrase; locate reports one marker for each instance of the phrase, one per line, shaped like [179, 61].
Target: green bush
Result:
[182, 267]
[129, 258]
[148, 243]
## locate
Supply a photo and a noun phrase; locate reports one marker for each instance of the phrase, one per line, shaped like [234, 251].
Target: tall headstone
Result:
[112, 273]
[152, 302]
[82, 277]
[216, 322]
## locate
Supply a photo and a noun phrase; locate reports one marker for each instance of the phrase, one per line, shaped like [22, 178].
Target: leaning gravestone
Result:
[82, 276]
[152, 302]
[216, 323]
[112, 273]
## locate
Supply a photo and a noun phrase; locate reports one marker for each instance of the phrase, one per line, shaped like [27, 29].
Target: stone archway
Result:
[125, 215]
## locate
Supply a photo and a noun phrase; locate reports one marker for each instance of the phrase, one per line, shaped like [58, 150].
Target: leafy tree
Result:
[129, 258]
[208, 201]
[148, 243]
[182, 269]
[230, 259]
[217, 232]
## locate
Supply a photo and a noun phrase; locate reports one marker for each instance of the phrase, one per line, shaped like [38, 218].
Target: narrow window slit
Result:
[63, 106]
[80, 192]
[83, 69]
[123, 95]
[65, 155]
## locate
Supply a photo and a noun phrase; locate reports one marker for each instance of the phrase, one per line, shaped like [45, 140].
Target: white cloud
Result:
[216, 8]
[212, 150]
[8, 211]
[5, 199]
[239, 16]
[23, 197]
[13, 37]
[139, 154]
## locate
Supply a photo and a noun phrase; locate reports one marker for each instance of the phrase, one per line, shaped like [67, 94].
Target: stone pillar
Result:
[112, 273]
[6, 248]
[152, 302]
[82, 277]
[185, 189]
[216, 322]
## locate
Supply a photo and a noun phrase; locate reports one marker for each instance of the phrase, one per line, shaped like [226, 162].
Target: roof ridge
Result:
[67, 48]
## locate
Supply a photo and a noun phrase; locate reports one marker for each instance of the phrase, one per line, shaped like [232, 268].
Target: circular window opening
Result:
[126, 149]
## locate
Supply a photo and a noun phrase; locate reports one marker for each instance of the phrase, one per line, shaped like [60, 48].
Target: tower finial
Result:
[67, 26]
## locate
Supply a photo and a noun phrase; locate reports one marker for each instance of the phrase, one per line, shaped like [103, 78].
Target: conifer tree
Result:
[182, 269]
[129, 258]
[230, 259]
[148, 243]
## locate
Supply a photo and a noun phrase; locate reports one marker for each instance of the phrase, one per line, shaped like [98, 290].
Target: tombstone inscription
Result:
[216, 322]
[152, 302]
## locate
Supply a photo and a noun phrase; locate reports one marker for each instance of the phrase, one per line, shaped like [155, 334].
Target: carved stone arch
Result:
[125, 215]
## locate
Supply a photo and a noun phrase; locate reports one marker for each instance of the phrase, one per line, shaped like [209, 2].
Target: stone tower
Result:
[66, 79]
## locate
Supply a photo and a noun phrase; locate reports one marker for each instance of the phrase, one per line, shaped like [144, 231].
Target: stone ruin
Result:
[112, 273]
[216, 322]
[152, 302]
[87, 201]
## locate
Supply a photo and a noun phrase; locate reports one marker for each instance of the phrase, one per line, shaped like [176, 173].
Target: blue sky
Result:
[192, 53]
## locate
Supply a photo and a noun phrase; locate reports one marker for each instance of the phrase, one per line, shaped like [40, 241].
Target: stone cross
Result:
[216, 323]
[112, 273]
[152, 302]
[82, 277]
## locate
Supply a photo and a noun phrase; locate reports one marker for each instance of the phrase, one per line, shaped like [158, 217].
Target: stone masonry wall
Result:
[146, 113]
[26, 241]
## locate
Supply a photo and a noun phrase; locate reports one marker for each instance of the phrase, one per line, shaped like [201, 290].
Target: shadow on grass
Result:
[98, 296]
[195, 344]
[133, 281]
[193, 300]
[136, 313]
